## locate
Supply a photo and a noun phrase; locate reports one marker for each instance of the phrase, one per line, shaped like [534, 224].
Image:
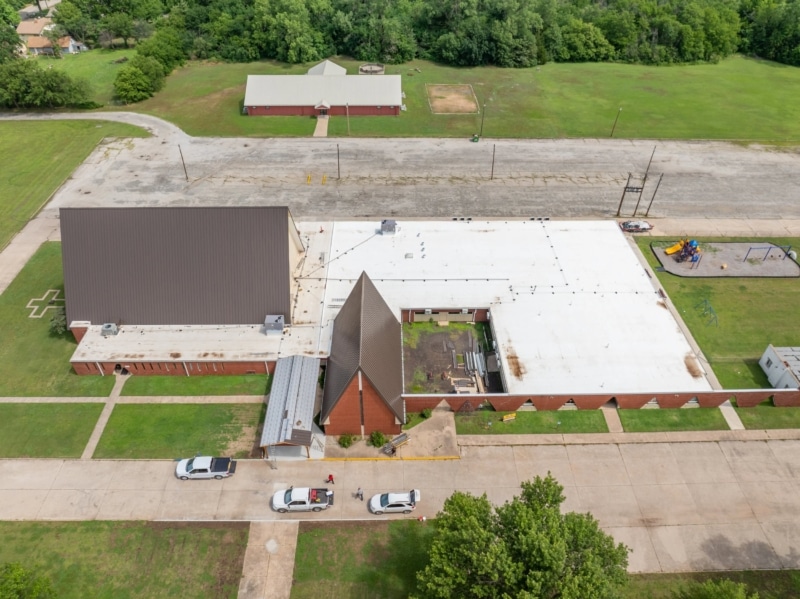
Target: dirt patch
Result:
[514, 365]
[247, 442]
[692, 366]
[434, 356]
[452, 99]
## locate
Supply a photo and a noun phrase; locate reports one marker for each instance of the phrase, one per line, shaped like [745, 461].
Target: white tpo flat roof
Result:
[573, 310]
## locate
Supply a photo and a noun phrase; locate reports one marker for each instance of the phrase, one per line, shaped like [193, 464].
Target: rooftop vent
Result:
[273, 324]
[109, 328]
[388, 227]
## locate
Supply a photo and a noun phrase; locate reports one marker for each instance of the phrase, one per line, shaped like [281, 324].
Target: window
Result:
[769, 362]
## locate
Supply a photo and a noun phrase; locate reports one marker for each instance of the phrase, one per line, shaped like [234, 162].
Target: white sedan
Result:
[394, 502]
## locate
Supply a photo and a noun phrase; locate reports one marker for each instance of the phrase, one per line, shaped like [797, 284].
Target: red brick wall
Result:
[79, 332]
[377, 415]
[478, 314]
[177, 368]
[346, 415]
[332, 111]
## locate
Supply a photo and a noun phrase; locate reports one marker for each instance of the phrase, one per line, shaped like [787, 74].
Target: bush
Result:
[377, 439]
[58, 322]
[346, 440]
[426, 413]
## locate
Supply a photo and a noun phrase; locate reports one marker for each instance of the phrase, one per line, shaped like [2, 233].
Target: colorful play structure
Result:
[684, 250]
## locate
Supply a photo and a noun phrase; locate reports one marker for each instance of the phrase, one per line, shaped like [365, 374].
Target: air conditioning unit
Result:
[108, 329]
[465, 310]
[273, 324]
[388, 227]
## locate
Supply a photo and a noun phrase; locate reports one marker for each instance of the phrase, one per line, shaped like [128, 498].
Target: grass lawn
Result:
[97, 66]
[147, 560]
[751, 312]
[768, 416]
[488, 422]
[769, 584]
[413, 419]
[379, 559]
[739, 98]
[28, 430]
[37, 157]
[359, 559]
[32, 361]
[148, 431]
[688, 419]
[245, 384]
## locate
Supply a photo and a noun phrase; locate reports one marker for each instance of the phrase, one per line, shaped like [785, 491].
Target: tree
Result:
[525, 548]
[76, 23]
[18, 583]
[716, 589]
[132, 85]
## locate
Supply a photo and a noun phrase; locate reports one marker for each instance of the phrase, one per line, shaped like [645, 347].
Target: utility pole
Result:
[615, 122]
[650, 205]
[494, 147]
[347, 108]
[619, 208]
[338, 164]
[483, 117]
[183, 163]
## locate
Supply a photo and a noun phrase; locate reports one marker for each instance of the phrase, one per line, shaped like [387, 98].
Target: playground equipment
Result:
[674, 249]
[689, 251]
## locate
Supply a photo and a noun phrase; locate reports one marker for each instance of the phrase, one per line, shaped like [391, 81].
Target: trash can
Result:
[475, 137]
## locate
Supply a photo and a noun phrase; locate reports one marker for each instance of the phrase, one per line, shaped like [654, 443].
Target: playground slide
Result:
[674, 249]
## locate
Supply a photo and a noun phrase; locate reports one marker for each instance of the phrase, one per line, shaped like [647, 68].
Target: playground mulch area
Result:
[731, 260]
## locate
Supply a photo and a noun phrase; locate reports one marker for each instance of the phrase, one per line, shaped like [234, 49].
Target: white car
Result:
[394, 502]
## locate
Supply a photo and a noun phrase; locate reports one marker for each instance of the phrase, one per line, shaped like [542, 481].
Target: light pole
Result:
[483, 117]
[615, 122]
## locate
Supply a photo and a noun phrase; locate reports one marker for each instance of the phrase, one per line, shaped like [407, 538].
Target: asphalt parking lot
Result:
[436, 178]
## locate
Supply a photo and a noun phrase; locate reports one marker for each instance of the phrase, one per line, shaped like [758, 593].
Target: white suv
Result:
[394, 502]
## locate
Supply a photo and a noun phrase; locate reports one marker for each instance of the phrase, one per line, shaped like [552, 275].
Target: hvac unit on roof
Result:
[388, 227]
[273, 324]
[108, 328]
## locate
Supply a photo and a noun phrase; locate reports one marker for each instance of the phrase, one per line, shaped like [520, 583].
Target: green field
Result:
[488, 422]
[244, 384]
[751, 312]
[688, 419]
[131, 560]
[161, 431]
[46, 430]
[379, 560]
[37, 158]
[32, 361]
[98, 66]
[769, 417]
[739, 98]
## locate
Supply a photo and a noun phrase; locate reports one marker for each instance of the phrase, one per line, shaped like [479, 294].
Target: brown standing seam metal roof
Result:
[366, 336]
[172, 266]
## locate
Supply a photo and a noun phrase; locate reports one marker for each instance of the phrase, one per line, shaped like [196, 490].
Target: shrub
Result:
[58, 322]
[426, 413]
[346, 440]
[377, 439]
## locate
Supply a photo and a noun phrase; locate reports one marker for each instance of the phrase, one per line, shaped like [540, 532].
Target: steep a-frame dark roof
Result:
[366, 336]
[177, 265]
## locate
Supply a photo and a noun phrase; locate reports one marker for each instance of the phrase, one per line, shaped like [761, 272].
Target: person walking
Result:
[330, 479]
[360, 494]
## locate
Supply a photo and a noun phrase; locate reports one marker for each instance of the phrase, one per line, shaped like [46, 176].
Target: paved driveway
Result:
[680, 506]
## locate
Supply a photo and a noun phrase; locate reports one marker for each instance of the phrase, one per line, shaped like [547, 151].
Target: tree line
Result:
[504, 33]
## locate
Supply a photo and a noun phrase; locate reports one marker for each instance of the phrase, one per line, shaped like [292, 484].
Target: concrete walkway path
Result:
[321, 128]
[100, 425]
[269, 560]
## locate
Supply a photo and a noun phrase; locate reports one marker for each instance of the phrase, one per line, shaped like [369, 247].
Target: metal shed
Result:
[289, 429]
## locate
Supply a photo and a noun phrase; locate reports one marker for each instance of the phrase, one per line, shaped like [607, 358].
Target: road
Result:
[710, 505]
[435, 178]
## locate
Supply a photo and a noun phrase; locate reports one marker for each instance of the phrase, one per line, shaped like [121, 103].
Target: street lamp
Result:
[483, 117]
[615, 122]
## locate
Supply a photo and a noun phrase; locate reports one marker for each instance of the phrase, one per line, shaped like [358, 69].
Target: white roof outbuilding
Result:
[334, 88]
